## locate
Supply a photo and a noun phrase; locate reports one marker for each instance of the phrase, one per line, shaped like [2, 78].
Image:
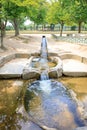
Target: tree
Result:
[79, 14]
[37, 13]
[15, 14]
[3, 22]
[17, 10]
[59, 13]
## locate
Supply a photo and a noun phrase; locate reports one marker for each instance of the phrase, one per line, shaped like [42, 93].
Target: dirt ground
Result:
[30, 43]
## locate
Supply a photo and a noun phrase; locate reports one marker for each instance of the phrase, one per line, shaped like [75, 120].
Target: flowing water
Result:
[44, 51]
[49, 103]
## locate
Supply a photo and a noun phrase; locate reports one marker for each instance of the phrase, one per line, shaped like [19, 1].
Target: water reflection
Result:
[9, 93]
[9, 96]
[49, 103]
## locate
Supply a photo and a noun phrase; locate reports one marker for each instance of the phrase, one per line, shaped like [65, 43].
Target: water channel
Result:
[33, 104]
[48, 101]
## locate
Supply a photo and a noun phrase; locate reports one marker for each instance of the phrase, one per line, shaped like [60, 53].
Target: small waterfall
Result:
[44, 61]
[44, 75]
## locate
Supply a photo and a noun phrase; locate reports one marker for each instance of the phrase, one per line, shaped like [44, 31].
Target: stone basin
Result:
[36, 62]
[54, 71]
[17, 65]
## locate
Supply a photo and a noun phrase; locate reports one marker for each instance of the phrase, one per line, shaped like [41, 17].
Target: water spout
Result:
[44, 61]
[44, 51]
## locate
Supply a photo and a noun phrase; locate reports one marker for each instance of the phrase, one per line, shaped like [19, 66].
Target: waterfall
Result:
[44, 61]
[44, 75]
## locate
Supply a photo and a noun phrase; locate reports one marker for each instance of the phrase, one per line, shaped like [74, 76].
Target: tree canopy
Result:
[43, 12]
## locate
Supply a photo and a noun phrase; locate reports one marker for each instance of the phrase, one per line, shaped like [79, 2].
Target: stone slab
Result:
[13, 69]
[73, 67]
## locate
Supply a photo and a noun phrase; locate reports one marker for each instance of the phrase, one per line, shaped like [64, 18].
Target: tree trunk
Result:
[61, 29]
[42, 27]
[2, 27]
[2, 46]
[79, 28]
[34, 27]
[37, 27]
[16, 26]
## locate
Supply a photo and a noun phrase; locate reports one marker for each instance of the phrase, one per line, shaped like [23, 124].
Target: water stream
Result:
[44, 59]
[48, 102]
[44, 50]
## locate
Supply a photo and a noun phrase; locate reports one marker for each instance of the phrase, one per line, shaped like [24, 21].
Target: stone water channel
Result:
[45, 103]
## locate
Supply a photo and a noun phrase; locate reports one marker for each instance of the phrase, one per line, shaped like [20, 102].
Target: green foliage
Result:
[59, 11]
[13, 10]
[38, 13]
[82, 1]
[79, 12]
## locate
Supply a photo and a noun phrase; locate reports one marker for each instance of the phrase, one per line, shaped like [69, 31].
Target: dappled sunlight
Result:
[78, 85]
[10, 90]
[9, 94]
[17, 83]
[11, 87]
